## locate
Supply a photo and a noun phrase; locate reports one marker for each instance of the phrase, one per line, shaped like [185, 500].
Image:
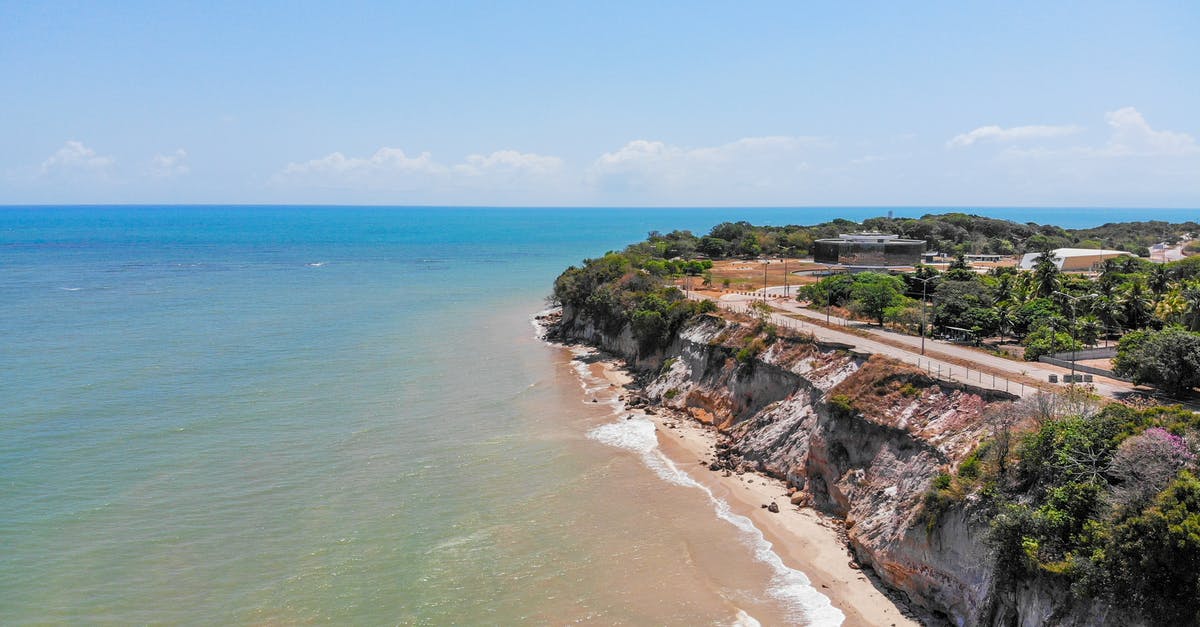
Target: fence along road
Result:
[985, 377]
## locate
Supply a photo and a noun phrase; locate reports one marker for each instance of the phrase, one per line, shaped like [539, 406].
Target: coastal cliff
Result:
[858, 436]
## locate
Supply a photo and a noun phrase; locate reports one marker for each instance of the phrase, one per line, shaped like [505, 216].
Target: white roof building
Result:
[1074, 259]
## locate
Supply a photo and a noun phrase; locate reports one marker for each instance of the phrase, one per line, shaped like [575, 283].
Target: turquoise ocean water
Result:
[331, 414]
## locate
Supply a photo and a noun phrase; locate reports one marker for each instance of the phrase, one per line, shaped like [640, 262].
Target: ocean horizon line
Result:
[960, 208]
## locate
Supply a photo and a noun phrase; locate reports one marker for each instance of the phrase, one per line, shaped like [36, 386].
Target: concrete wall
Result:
[1106, 352]
[1066, 363]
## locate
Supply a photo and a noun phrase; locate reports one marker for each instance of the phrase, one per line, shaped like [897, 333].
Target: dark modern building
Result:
[869, 250]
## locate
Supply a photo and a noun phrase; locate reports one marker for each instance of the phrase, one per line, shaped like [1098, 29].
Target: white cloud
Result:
[169, 166]
[391, 169]
[76, 157]
[1132, 136]
[742, 169]
[509, 162]
[1007, 135]
[387, 167]
[867, 159]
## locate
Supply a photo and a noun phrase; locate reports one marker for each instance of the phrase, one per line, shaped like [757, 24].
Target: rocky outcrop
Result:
[859, 436]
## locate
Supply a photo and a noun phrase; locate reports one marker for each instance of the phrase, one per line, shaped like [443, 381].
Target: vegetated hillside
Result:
[951, 233]
[1044, 309]
[1051, 510]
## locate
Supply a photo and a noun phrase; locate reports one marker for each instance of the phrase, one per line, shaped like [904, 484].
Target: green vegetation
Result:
[1169, 359]
[1106, 499]
[875, 293]
[842, 404]
[754, 346]
[618, 289]
[1156, 307]
[1047, 340]
[950, 233]
[1044, 309]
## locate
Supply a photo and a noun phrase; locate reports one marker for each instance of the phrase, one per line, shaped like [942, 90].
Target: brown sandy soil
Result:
[747, 274]
[1106, 364]
[805, 539]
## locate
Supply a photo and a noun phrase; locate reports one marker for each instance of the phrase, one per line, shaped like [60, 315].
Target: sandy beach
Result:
[805, 539]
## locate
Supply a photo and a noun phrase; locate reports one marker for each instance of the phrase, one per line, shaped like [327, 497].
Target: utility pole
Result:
[924, 285]
[828, 291]
[1074, 342]
[786, 291]
[766, 262]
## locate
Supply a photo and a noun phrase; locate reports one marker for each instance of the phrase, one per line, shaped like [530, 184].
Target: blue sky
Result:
[640, 103]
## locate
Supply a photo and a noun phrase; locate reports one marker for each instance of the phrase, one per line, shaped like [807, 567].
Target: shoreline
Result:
[805, 539]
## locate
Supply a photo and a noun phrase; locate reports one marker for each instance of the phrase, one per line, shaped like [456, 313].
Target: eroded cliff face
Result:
[859, 436]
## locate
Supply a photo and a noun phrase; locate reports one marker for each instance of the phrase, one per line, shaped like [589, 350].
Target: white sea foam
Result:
[540, 327]
[635, 434]
[70, 289]
[745, 620]
[789, 586]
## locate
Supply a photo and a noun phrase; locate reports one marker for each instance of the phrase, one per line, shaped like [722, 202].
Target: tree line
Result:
[948, 233]
[1153, 309]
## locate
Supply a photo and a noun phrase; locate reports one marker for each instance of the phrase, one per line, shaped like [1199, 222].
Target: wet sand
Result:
[805, 539]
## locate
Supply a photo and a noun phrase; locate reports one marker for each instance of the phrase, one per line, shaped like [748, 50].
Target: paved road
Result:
[910, 352]
[1163, 252]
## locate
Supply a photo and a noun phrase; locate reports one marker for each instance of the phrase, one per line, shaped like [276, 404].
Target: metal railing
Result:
[934, 368]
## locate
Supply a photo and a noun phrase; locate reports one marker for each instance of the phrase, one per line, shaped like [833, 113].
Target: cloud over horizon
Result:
[1132, 136]
[74, 156]
[169, 166]
[1126, 160]
[997, 134]
[391, 169]
[1027, 164]
[745, 168]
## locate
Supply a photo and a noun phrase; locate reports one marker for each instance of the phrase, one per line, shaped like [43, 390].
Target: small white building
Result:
[1074, 259]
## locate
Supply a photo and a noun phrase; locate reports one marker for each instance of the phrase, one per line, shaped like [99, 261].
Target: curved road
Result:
[990, 373]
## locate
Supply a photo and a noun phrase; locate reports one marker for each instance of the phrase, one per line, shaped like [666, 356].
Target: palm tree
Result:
[1004, 287]
[1108, 311]
[1135, 307]
[1045, 274]
[1159, 281]
[1107, 284]
[1171, 308]
[1005, 316]
[1089, 330]
[1108, 266]
[1191, 304]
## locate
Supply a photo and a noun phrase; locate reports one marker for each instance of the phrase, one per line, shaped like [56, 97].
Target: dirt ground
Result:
[747, 275]
[1106, 364]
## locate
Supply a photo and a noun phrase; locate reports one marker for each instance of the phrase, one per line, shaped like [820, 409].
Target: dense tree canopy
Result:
[1046, 309]
[874, 293]
[1104, 499]
[1169, 359]
[950, 233]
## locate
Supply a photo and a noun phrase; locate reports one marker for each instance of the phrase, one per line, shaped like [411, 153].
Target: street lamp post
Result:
[787, 292]
[828, 291]
[924, 286]
[1072, 300]
[766, 262]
